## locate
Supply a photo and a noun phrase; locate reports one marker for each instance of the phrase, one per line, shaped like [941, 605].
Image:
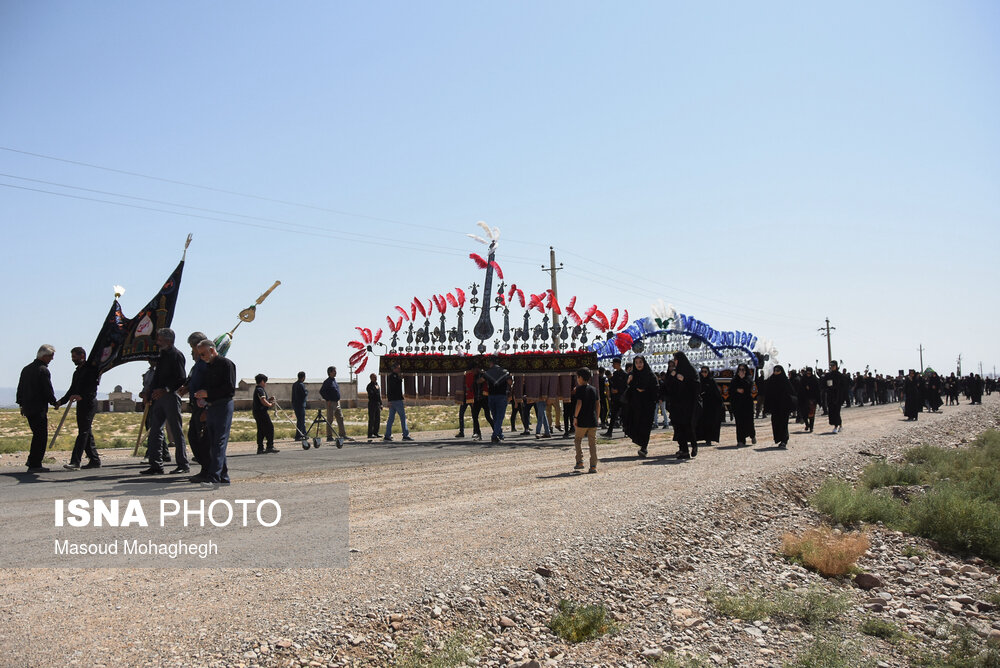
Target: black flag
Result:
[124, 339]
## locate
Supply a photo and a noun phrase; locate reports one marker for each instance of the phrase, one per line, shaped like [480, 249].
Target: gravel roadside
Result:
[438, 543]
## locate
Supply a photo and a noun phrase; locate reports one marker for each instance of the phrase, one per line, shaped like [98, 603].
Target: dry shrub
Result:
[825, 551]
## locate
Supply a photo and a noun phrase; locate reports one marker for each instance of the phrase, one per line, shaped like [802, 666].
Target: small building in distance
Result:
[120, 401]
[281, 390]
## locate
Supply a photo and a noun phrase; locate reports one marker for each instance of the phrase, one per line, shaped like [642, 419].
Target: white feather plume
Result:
[479, 239]
[119, 291]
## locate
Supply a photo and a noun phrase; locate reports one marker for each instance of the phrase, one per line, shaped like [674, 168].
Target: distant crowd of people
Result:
[631, 398]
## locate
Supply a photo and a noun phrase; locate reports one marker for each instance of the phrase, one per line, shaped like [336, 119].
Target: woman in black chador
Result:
[780, 401]
[741, 403]
[710, 422]
[685, 404]
[932, 391]
[913, 389]
[641, 402]
[808, 397]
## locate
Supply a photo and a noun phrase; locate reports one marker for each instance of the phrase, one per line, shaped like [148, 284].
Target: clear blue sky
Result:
[758, 165]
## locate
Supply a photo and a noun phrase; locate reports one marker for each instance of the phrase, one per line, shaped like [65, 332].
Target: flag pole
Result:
[59, 428]
[142, 426]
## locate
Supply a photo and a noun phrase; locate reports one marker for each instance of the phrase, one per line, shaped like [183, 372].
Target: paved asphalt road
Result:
[121, 476]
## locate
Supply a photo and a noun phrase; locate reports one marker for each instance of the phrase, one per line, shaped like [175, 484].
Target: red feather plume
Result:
[413, 312]
[392, 325]
[356, 344]
[513, 289]
[441, 303]
[420, 307]
[601, 321]
[575, 316]
[624, 320]
[572, 303]
[378, 335]
[403, 312]
[430, 306]
[366, 334]
[552, 303]
[536, 302]
[480, 262]
[623, 341]
[590, 314]
[452, 300]
[614, 318]
[357, 357]
[361, 368]
[496, 268]
[460, 295]
[520, 296]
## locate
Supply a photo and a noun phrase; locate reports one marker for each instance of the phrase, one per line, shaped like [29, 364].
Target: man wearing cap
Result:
[83, 390]
[330, 391]
[394, 395]
[34, 394]
[218, 388]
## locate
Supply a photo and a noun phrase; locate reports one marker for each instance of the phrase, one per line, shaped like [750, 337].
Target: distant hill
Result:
[7, 396]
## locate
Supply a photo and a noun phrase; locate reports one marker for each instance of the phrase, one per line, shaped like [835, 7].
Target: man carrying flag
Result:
[83, 390]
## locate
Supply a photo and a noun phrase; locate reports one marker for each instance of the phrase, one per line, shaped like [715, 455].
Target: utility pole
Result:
[960, 365]
[921, 349]
[825, 331]
[551, 270]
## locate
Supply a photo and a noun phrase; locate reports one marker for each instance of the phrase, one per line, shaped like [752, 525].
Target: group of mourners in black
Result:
[695, 403]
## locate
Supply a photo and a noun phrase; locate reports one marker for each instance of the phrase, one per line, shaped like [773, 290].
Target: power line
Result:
[441, 250]
[680, 290]
[739, 307]
[237, 193]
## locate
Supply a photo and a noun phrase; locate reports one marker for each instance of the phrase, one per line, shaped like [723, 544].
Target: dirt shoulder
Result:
[449, 533]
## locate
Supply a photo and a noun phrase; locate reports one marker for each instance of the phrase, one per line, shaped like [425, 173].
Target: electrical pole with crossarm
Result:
[825, 331]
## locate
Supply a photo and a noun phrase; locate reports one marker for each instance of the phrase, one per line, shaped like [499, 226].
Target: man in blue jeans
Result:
[394, 395]
[218, 388]
[498, 383]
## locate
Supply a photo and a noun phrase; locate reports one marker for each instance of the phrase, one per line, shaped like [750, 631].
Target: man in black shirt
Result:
[498, 381]
[34, 394]
[299, 397]
[265, 428]
[585, 418]
[618, 385]
[83, 390]
[218, 388]
[394, 395]
[165, 411]
[374, 406]
[834, 382]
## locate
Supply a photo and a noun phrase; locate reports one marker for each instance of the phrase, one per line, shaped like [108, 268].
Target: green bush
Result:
[846, 505]
[751, 605]
[958, 520]
[883, 474]
[966, 650]
[575, 623]
[811, 607]
[961, 511]
[826, 653]
[674, 661]
[880, 628]
[456, 650]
